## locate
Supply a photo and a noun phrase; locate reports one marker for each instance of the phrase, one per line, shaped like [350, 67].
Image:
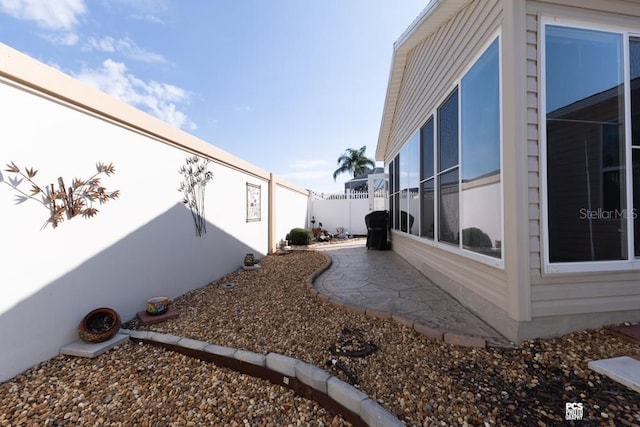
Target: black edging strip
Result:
[298, 387]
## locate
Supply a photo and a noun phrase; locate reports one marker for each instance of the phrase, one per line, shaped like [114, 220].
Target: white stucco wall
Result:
[140, 245]
[292, 207]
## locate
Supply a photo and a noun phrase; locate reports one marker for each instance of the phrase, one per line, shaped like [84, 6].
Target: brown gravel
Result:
[421, 381]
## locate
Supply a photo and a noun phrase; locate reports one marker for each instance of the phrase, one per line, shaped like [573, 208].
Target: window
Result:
[409, 206]
[480, 189]
[427, 180]
[585, 145]
[634, 61]
[450, 170]
[447, 171]
[394, 192]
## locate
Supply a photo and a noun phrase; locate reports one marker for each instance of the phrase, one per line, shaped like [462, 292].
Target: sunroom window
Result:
[585, 145]
[480, 189]
[448, 179]
[450, 169]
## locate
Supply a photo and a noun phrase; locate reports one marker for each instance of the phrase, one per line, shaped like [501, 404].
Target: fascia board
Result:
[432, 17]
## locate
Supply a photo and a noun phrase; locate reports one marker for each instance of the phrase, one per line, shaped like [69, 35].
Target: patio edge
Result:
[425, 330]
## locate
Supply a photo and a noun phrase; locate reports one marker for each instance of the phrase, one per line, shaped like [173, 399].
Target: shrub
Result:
[300, 236]
[475, 238]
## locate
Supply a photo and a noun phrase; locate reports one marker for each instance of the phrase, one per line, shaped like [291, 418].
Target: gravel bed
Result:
[421, 381]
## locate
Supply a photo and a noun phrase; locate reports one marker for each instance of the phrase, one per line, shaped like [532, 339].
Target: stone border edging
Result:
[304, 379]
[436, 334]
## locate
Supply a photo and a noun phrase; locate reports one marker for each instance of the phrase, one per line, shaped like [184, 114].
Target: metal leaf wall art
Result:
[64, 202]
[195, 179]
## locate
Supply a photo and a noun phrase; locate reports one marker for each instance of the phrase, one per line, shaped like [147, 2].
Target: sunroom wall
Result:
[569, 300]
[431, 69]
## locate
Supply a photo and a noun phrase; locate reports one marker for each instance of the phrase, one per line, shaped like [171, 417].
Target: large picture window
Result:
[480, 189]
[450, 170]
[585, 145]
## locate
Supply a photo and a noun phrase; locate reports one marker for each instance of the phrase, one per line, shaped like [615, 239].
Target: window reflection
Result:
[448, 133]
[585, 145]
[449, 223]
[427, 225]
[481, 215]
[448, 200]
[427, 228]
[634, 54]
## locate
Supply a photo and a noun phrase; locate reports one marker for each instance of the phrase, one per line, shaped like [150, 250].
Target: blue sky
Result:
[287, 85]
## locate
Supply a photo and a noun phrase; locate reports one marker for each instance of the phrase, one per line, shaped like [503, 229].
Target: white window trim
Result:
[549, 268]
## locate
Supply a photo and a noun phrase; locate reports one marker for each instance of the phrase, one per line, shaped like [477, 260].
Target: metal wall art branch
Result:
[64, 202]
[195, 179]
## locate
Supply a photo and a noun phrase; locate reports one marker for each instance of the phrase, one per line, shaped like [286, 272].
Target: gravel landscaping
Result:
[421, 381]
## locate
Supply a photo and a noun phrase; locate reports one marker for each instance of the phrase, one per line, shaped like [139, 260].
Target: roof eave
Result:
[432, 17]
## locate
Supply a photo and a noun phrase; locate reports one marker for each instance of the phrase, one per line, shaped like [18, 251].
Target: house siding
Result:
[594, 298]
[521, 300]
[432, 67]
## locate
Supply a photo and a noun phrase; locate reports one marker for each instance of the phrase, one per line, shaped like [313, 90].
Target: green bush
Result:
[300, 236]
[475, 238]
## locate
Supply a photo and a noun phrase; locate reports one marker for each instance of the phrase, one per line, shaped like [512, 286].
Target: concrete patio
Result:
[383, 281]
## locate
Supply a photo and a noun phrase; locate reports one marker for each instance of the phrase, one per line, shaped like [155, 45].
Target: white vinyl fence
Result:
[345, 210]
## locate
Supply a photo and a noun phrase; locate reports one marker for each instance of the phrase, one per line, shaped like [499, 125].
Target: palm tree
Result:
[354, 162]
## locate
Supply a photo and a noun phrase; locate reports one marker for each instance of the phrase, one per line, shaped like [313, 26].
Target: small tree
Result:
[354, 162]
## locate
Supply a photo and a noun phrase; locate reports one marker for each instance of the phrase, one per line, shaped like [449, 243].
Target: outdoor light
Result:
[313, 221]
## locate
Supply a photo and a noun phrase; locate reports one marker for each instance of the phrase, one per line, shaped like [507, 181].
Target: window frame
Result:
[458, 249]
[554, 268]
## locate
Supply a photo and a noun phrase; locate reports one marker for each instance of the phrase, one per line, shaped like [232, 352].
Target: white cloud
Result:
[144, 10]
[159, 99]
[61, 15]
[244, 109]
[126, 47]
[70, 38]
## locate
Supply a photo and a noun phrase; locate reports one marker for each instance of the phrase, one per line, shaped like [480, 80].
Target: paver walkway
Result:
[382, 280]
